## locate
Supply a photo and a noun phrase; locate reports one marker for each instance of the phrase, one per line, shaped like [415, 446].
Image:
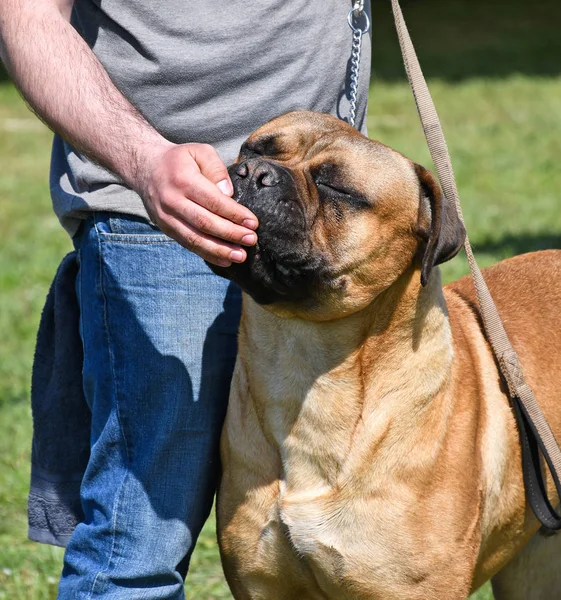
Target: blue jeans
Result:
[159, 333]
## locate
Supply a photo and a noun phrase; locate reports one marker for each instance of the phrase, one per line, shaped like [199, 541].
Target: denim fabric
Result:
[159, 335]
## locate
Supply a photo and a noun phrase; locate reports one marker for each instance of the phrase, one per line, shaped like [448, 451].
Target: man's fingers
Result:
[207, 247]
[205, 193]
[188, 197]
[212, 167]
[198, 171]
[210, 223]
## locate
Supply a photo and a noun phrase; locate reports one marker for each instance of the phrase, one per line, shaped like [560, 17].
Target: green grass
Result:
[505, 137]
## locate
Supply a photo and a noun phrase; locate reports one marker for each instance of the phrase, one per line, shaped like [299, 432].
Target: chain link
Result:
[355, 71]
[358, 6]
[356, 14]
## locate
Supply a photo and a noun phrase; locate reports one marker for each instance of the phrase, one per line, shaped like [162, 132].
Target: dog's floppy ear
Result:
[446, 233]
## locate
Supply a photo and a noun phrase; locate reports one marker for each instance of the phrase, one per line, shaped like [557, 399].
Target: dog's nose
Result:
[264, 173]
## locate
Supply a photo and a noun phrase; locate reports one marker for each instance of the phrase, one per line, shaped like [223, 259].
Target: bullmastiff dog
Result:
[369, 450]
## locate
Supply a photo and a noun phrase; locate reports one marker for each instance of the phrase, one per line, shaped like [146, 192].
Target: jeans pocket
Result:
[117, 227]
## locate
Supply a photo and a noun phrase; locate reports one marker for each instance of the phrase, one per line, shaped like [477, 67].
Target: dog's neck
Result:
[329, 393]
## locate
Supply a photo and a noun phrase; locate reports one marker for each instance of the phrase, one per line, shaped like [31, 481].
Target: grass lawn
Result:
[504, 132]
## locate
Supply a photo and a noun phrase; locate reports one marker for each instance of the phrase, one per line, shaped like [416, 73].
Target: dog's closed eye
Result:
[331, 188]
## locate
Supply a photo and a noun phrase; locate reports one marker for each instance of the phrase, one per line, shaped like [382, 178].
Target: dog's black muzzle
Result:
[282, 265]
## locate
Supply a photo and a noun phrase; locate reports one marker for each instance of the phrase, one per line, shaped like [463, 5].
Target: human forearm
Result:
[69, 89]
[185, 188]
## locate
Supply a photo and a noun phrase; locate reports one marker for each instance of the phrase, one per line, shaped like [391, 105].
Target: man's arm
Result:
[185, 188]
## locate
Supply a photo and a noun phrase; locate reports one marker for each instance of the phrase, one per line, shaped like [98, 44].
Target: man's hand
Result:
[187, 192]
[185, 188]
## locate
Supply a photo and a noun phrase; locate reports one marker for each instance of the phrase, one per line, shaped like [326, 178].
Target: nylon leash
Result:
[535, 434]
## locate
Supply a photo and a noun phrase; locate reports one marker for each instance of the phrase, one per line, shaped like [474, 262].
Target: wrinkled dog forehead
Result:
[299, 133]
[305, 139]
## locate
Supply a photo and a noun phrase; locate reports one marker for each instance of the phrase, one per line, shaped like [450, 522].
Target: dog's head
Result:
[341, 217]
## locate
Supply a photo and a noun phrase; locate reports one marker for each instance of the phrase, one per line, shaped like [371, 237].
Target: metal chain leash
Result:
[356, 16]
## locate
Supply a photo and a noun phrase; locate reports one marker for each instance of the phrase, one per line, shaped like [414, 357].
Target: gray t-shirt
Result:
[208, 72]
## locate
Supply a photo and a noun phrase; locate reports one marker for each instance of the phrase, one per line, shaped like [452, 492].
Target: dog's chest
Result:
[306, 513]
[338, 547]
[319, 546]
[310, 540]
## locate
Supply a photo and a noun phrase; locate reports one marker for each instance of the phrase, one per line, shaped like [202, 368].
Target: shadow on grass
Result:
[460, 39]
[4, 77]
[512, 244]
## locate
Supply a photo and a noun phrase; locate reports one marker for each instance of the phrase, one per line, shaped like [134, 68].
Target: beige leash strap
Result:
[531, 419]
